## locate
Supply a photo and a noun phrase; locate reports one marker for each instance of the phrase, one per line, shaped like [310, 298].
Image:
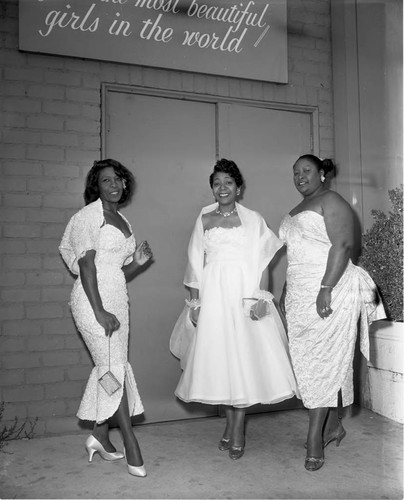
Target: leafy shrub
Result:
[382, 254]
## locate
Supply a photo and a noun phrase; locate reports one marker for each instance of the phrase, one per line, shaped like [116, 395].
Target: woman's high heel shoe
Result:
[94, 446]
[224, 444]
[136, 470]
[338, 437]
[313, 463]
[236, 452]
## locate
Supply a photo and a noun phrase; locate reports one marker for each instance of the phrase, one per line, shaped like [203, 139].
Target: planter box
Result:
[384, 386]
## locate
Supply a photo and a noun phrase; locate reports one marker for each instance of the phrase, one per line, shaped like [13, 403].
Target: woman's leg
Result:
[333, 425]
[229, 422]
[237, 435]
[317, 418]
[132, 449]
[101, 434]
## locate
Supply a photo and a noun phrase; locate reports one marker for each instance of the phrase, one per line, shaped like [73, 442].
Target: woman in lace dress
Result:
[99, 247]
[236, 353]
[324, 297]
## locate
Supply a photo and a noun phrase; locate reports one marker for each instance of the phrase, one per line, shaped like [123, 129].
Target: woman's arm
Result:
[260, 308]
[282, 300]
[88, 275]
[142, 255]
[338, 219]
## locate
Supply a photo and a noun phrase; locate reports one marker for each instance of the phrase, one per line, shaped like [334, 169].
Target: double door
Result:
[171, 144]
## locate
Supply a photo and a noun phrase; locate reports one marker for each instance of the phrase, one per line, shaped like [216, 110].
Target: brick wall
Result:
[50, 135]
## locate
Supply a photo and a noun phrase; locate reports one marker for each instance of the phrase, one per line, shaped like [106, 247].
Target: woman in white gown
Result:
[236, 354]
[99, 247]
[324, 297]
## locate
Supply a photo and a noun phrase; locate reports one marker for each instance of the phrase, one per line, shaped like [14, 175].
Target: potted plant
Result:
[382, 257]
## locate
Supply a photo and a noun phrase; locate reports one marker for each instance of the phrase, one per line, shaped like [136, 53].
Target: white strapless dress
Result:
[230, 359]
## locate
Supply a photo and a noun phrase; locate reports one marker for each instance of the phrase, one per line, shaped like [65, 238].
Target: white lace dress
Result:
[322, 350]
[231, 359]
[113, 250]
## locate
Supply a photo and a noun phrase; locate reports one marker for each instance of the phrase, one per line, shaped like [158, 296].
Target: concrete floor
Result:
[183, 462]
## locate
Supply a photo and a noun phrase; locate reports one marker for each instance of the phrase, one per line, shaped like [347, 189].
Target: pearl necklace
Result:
[226, 214]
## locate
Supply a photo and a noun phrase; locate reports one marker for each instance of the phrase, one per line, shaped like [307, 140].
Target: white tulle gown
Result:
[229, 358]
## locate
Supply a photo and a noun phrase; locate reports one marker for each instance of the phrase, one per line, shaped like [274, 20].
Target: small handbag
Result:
[248, 302]
[108, 381]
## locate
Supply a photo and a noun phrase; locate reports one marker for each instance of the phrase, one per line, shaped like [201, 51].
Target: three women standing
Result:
[324, 297]
[230, 338]
[100, 248]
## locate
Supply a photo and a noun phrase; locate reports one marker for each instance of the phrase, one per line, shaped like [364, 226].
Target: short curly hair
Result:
[227, 167]
[92, 192]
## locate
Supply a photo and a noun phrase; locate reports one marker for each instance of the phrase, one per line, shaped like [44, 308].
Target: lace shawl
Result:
[82, 234]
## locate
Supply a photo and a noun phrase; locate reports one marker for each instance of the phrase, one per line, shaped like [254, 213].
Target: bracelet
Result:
[193, 303]
[264, 295]
[326, 286]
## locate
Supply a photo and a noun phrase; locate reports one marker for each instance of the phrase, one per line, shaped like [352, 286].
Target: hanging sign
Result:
[245, 39]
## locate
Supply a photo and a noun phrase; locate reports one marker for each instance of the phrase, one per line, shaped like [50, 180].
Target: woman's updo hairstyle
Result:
[227, 167]
[327, 165]
[92, 192]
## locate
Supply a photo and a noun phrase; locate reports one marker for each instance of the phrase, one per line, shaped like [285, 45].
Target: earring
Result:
[238, 192]
[124, 183]
[322, 178]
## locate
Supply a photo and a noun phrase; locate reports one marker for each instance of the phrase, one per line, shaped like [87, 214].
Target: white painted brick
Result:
[42, 311]
[44, 278]
[46, 92]
[47, 122]
[22, 168]
[60, 77]
[20, 360]
[14, 311]
[22, 200]
[47, 215]
[22, 328]
[13, 151]
[12, 279]
[61, 108]
[21, 137]
[83, 95]
[21, 231]
[23, 74]
[12, 120]
[46, 184]
[45, 153]
[83, 125]
[22, 105]
[13, 184]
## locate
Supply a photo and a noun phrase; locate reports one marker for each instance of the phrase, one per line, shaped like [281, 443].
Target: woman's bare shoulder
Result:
[333, 204]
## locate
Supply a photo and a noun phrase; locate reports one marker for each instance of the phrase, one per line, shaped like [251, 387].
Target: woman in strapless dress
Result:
[229, 337]
[324, 297]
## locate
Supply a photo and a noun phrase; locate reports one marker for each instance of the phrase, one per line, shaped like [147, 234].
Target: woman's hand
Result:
[259, 310]
[108, 321]
[323, 303]
[194, 315]
[143, 253]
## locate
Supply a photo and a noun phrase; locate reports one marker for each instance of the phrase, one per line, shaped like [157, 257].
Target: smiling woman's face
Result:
[110, 185]
[224, 188]
[306, 176]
